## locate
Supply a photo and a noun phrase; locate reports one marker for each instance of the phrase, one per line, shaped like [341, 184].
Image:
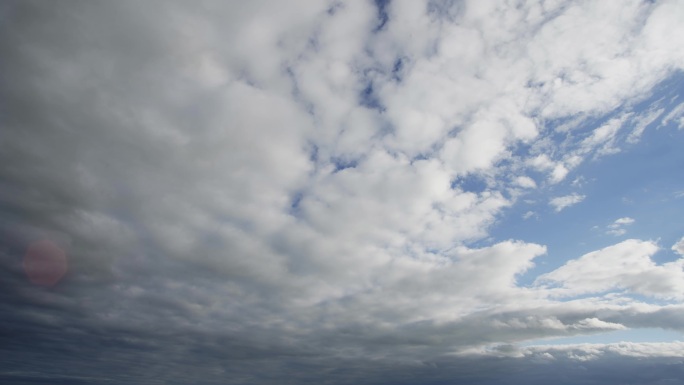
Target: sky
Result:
[342, 192]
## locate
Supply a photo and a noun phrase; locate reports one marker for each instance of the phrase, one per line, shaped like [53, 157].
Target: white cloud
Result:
[643, 121]
[603, 137]
[562, 202]
[616, 231]
[558, 171]
[541, 162]
[623, 221]
[583, 352]
[623, 266]
[595, 323]
[529, 215]
[679, 247]
[674, 114]
[587, 352]
[617, 228]
[525, 182]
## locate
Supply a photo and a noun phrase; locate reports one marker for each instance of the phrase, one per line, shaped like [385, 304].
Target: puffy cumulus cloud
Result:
[565, 201]
[242, 192]
[557, 170]
[525, 182]
[626, 265]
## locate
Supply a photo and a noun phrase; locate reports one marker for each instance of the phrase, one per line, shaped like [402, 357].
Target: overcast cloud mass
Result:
[341, 192]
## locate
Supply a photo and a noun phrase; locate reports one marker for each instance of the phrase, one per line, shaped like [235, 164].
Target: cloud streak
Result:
[563, 202]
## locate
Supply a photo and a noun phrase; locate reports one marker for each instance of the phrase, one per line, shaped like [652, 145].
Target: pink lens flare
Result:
[45, 263]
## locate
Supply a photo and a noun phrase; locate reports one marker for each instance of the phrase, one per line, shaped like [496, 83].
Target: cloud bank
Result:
[230, 192]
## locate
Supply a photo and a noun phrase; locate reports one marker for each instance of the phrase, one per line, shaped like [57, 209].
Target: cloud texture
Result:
[250, 190]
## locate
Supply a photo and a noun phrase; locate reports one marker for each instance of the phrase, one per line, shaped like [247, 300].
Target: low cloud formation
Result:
[273, 192]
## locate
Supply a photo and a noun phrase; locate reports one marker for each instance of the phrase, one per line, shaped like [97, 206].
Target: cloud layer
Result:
[257, 190]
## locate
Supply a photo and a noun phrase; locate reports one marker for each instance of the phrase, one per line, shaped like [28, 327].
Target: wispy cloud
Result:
[641, 122]
[676, 114]
[679, 247]
[562, 202]
[617, 228]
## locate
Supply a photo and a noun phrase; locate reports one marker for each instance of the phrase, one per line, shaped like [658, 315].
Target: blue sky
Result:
[636, 183]
[367, 192]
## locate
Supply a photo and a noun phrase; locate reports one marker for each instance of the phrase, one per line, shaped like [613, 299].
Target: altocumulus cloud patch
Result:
[340, 192]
